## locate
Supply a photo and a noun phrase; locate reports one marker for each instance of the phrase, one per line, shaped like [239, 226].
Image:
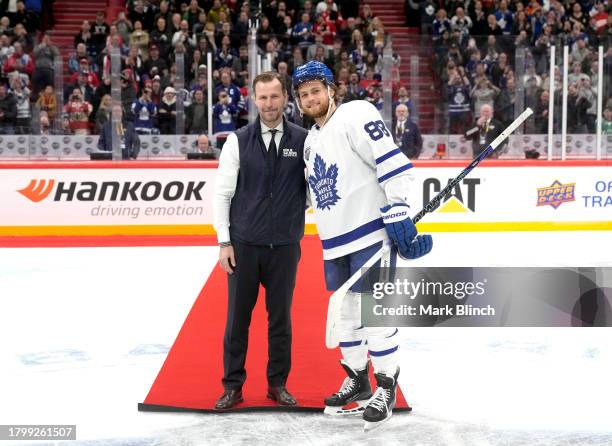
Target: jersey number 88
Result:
[376, 130]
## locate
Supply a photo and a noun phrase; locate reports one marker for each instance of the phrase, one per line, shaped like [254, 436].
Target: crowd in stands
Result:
[153, 37]
[476, 47]
[493, 52]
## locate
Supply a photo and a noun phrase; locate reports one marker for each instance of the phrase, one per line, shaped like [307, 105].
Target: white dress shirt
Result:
[227, 177]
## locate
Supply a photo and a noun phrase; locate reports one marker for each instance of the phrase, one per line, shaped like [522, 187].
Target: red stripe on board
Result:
[514, 163]
[106, 241]
[195, 164]
[191, 374]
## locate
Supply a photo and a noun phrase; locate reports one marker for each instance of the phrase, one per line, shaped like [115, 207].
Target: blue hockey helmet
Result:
[310, 71]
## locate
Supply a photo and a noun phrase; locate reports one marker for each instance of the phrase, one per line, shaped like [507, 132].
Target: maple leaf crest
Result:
[323, 183]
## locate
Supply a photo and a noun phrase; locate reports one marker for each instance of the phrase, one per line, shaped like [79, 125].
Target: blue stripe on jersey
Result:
[387, 155]
[383, 352]
[394, 333]
[397, 171]
[353, 235]
[350, 344]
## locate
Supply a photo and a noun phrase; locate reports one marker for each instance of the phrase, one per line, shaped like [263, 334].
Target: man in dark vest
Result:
[259, 203]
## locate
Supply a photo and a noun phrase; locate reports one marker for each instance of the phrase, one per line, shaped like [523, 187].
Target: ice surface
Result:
[73, 358]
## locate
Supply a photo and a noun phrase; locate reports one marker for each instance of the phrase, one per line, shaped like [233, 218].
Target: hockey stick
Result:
[334, 307]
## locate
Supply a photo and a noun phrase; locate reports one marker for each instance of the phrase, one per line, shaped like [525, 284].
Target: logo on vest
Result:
[289, 153]
[323, 183]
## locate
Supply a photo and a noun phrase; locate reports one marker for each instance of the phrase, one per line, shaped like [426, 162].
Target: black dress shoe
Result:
[281, 396]
[229, 399]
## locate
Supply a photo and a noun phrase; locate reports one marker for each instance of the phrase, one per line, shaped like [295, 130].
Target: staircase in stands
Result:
[69, 16]
[407, 43]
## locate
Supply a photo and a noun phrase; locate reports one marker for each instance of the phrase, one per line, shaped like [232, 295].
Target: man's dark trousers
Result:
[275, 268]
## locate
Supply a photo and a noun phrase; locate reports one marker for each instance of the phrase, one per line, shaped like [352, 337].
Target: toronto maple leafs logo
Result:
[323, 183]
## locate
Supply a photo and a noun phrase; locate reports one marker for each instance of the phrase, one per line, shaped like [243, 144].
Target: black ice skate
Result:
[354, 394]
[380, 407]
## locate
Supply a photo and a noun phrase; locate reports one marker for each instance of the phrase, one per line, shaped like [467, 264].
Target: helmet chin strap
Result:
[329, 106]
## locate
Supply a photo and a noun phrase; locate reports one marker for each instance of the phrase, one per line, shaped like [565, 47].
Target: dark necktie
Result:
[272, 155]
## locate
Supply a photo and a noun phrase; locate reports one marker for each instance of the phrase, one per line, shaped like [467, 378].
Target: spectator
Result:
[85, 36]
[166, 112]
[144, 111]
[606, 124]
[27, 18]
[74, 62]
[45, 54]
[155, 61]
[302, 32]
[541, 113]
[141, 13]
[500, 71]
[216, 10]
[47, 102]
[21, 93]
[44, 127]
[492, 28]
[104, 112]
[77, 113]
[19, 62]
[128, 137]
[486, 130]
[461, 23]
[577, 16]
[440, 24]
[20, 35]
[192, 15]
[403, 97]
[410, 142]
[226, 55]
[6, 49]
[100, 31]
[8, 111]
[264, 32]
[375, 96]
[184, 36]
[354, 91]
[82, 84]
[224, 113]
[203, 144]
[160, 37]
[458, 96]
[121, 27]
[227, 86]
[504, 17]
[479, 19]
[196, 115]
[400, 122]
[577, 106]
[139, 39]
[156, 90]
[92, 77]
[505, 103]
[588, 92]
[580, 51]
[241, 27]
[484, 93]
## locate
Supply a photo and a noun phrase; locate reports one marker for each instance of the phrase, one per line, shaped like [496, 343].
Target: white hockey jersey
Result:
[353, 168]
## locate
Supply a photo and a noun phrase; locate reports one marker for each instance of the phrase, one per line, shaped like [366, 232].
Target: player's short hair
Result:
[269, 76]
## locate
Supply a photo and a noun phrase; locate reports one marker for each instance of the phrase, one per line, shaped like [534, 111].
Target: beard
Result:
[317, 111]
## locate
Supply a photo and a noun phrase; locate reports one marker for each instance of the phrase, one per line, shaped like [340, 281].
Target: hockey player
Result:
[358, 181]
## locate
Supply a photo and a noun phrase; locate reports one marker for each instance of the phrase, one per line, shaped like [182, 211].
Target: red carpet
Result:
[190, 378]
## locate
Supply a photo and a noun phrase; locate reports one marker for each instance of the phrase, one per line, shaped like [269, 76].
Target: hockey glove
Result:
[403, 232]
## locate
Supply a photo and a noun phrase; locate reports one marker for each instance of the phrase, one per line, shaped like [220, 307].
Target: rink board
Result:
[175, 198]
